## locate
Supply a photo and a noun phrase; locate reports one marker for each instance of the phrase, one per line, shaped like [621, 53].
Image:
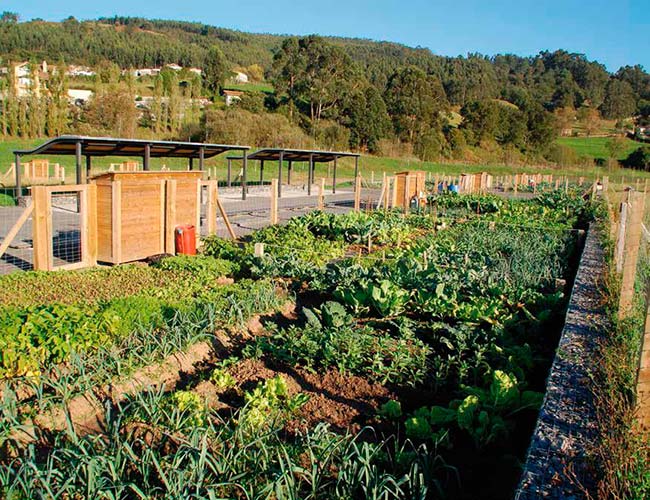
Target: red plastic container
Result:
[185, 238]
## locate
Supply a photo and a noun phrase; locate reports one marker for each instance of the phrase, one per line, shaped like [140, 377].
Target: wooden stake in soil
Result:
[357, 193]
[259, 250]
[274, 201]
[321, 194]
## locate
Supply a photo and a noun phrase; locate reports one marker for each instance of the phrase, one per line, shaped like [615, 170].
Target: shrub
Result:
[7, 200]
[197, 265]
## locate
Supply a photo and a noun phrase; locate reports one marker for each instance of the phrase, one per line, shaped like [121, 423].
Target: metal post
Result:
[147, 155]
[229, 172]
[78, 161]
[310, 173]
[356, 168]
[243, 178]
[18, 184]
[289, 167]
[191, 164]
[280, 174]
[88, 166]
[334, 175]
[201, 157]
[261, 171]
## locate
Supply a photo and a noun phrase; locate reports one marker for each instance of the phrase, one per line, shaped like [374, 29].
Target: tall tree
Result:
[215, 69]
[619, 100]
[367, 118]
[314, 75]
[414, 101]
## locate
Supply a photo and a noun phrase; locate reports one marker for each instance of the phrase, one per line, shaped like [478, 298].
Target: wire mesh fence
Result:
[16, 239]
[66, 229]
[254, 212]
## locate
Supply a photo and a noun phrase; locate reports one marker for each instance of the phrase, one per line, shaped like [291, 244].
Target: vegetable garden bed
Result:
[411, 364]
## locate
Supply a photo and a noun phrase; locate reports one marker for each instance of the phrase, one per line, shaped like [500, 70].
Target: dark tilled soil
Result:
[345, 401]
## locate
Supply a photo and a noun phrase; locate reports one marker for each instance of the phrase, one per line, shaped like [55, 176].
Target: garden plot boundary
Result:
[556, 464]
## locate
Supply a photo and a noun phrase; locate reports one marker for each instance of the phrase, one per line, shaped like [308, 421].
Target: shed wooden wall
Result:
[138, 211]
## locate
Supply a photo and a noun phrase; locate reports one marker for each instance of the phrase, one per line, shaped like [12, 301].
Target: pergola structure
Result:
[107, 146]
[293, 155]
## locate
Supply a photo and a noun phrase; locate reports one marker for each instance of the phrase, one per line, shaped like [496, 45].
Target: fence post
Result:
[383, 197]
[42, 228]
[357, 193]
[321, 194]
[631, 254]
[643, 376]
[274, 201]
[620, 238]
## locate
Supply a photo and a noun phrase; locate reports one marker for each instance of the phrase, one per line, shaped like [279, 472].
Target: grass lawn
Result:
[596, 147]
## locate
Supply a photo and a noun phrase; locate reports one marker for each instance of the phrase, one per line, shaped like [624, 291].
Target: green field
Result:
[596, 147]
[251, 87]
[371, 166]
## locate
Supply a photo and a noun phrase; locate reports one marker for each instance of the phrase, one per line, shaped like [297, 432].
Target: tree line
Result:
[332, 91]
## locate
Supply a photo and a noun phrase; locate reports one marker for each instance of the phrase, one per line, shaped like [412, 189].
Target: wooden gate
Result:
[40, 211]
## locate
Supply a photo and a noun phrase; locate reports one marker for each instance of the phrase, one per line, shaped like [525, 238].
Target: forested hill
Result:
[553, 79]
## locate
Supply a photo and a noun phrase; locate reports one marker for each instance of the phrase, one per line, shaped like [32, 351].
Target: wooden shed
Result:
[407, 185]
[137, 212]
[475, 183]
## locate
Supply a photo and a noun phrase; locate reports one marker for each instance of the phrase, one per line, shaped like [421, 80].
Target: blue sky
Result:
[614, 32]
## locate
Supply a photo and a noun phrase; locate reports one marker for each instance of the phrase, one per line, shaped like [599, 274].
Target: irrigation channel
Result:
[363, 355]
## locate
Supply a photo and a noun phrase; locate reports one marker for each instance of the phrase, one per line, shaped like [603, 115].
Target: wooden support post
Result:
[42, 228]
[321, 194]
[226, 221]
[274, 201]
[213, 193]
[89, 226]
[357, 193]
[632, 242]
[170, 216]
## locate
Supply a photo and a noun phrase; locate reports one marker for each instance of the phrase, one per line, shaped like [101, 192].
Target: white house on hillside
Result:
[230, 96]
[241, 77]
[79, 97]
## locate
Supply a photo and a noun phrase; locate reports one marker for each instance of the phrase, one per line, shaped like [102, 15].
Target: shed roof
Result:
[299, 155]
[109, 146]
